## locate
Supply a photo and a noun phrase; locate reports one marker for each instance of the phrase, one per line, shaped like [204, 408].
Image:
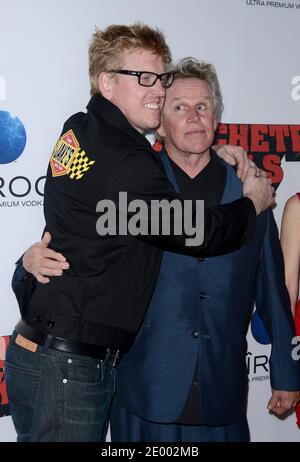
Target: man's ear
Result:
[105, 85]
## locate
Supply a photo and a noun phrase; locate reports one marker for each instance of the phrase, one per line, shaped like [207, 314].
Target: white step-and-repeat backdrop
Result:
[44, 78]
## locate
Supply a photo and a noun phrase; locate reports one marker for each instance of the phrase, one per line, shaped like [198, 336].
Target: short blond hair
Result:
[107, 47]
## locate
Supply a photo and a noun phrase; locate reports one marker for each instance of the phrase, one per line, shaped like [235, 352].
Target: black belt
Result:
[66, 346]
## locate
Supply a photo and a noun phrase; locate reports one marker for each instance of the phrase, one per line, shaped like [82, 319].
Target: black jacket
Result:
[102, 298]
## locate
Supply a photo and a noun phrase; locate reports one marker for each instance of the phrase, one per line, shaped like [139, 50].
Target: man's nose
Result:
[193, 115]
[158, 89]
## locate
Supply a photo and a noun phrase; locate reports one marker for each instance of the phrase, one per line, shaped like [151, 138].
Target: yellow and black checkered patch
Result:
[80, 165]
[68, 159]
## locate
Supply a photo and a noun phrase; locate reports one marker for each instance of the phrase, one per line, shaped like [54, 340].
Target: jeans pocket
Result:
[22, 389]
[81, 370]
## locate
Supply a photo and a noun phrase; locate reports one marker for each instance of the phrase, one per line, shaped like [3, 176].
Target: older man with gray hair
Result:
[185, 377]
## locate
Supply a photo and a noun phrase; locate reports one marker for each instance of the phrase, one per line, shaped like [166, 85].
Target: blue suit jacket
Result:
[200, 310]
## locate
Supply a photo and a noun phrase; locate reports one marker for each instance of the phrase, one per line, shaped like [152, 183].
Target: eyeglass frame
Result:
[138, 74]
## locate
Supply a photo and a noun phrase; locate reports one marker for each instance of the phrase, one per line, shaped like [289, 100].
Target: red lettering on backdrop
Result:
[266, 144]
[258, 133]
[295, 133]
[271, 163]
[238, 135]
[280, 132]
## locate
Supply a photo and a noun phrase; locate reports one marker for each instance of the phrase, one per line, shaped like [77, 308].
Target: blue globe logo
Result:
[12, 137]
[258, 330]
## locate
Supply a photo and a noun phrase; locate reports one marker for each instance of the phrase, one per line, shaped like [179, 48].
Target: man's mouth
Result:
[154, 106]
[196, 131]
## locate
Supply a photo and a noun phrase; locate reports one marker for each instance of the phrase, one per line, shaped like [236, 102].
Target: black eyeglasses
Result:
[148, 79]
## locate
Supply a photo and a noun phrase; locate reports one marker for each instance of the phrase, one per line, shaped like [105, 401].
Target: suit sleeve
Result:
[226, 227]
[23, 285]
[273, 306]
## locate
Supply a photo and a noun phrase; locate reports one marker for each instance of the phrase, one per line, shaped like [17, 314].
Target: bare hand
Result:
[259, 190]
[41, 261]
[235, 155]
[282, 402]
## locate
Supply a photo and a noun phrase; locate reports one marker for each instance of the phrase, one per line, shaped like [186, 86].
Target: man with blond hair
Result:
[60, 366]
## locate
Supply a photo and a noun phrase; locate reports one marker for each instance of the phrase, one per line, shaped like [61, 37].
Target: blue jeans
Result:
[56, 396]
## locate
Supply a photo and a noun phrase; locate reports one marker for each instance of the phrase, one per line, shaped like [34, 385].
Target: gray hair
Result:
[191, 68]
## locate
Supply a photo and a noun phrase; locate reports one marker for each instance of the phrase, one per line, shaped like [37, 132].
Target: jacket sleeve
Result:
[226, 227]
[23, 285]
[273, 306]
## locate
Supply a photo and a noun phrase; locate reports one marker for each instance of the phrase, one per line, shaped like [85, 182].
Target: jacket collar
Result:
[113, 116]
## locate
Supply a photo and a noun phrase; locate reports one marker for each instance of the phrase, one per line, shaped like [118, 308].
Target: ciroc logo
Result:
[12, 137]
[258, 330]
